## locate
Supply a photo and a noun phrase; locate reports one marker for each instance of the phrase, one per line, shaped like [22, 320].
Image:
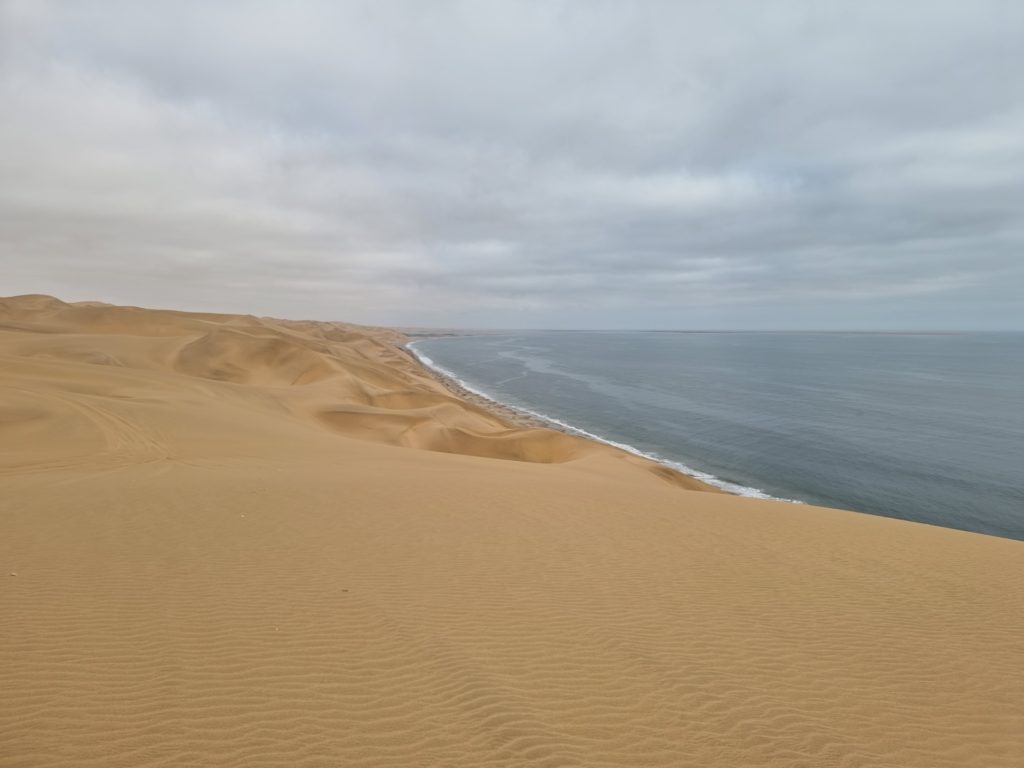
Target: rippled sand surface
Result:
[235, 541]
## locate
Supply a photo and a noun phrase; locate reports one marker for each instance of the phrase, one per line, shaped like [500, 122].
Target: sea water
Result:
[925, 427]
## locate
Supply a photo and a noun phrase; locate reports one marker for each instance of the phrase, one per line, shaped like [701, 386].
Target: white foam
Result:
[705, 477]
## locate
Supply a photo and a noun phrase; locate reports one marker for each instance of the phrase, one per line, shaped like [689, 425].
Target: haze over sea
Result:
[925, 427]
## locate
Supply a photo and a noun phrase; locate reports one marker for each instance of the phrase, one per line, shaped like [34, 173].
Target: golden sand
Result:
[236, 541]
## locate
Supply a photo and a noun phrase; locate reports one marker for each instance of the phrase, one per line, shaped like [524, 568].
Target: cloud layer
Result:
[517, 164]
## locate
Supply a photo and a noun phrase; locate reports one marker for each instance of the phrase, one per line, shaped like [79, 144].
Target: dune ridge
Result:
[237, 541]
[355, 382]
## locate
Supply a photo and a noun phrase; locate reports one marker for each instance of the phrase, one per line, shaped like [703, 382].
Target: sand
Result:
[236, 541]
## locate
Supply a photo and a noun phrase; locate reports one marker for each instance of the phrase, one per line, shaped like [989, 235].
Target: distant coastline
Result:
[526, 417]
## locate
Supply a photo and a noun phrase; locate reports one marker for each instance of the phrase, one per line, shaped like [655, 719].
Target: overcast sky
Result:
[579, 164]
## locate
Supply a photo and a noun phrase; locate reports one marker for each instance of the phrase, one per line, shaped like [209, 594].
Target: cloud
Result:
[565, 164]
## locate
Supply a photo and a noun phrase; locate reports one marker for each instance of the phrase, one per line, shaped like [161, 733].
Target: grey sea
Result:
[925, 427]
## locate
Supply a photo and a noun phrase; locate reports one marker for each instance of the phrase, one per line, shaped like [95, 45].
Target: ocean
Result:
[924, 427]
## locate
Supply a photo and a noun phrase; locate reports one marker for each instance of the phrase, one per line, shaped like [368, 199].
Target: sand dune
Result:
[239, 541]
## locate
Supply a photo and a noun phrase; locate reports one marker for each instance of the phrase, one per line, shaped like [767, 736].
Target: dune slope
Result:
[237, 541]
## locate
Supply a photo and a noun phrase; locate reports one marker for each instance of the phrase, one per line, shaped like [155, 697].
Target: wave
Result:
[705, 477]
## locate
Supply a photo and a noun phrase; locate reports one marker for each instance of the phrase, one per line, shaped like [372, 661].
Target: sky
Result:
[521, 164]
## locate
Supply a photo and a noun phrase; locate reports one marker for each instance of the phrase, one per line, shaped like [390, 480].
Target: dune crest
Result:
[238, 541]
[354, 382]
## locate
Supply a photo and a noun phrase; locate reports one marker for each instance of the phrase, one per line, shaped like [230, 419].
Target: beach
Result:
[228, 540]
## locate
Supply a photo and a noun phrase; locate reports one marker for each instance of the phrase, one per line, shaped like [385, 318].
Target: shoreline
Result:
[526, 418]
[514, 416]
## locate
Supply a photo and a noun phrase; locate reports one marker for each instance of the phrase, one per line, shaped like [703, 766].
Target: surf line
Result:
[705, 477]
